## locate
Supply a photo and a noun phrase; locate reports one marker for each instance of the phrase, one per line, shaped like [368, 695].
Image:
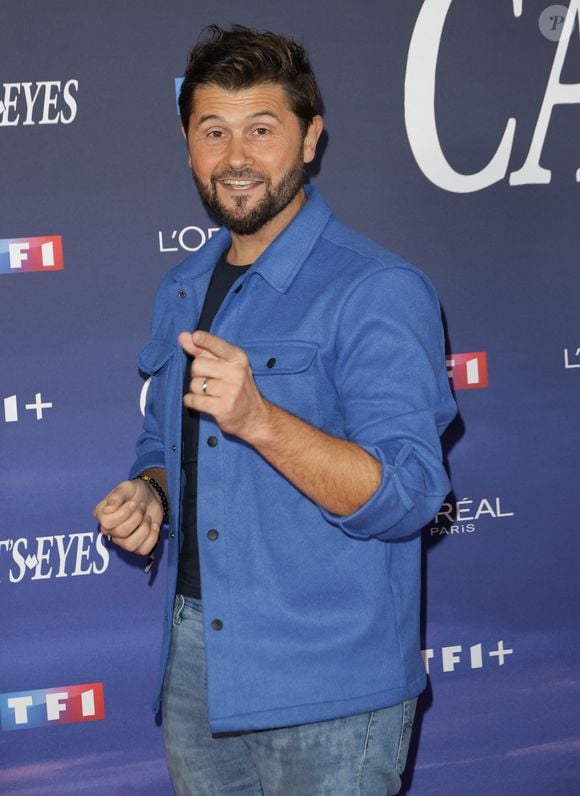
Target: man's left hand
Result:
[223, 386]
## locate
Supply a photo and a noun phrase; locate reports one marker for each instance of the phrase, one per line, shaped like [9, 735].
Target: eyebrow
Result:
[214, 117]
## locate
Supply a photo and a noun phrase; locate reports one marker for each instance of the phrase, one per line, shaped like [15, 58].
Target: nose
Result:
[238, 155]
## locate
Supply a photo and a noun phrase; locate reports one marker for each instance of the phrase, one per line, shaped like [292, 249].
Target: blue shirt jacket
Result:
[319, 613]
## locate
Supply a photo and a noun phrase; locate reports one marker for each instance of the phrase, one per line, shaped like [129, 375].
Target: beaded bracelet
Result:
[160, 492]
[165, 505]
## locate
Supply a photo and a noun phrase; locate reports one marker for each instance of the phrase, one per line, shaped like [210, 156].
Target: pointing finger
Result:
[217, 346]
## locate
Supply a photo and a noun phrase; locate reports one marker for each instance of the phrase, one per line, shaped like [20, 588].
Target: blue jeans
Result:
[362, 755]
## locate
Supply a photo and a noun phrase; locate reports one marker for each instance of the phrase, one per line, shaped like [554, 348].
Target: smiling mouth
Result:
[240, 185]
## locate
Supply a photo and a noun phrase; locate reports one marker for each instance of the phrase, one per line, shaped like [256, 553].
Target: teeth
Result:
[239, 183]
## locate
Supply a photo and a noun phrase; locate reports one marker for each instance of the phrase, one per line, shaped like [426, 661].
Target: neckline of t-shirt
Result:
[234, 265]
[230, 266]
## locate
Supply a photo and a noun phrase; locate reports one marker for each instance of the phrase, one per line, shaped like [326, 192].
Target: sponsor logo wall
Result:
[188, 239]
[38, 102]
[420, 89]
[468, 371]
[56, 556]
[47, 707]
[465, 165]
[472, 656]
[20, 255]
[572, 358]
[458, 517]
[15, 407]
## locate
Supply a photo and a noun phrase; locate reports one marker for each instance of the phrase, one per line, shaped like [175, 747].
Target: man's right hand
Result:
[131, 514]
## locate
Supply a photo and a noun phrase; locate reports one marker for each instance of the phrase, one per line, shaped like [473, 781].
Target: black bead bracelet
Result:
[160, 492]
[165, 505]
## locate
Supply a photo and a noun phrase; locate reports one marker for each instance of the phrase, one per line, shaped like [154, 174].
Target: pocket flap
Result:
[279, 357]
[152, 358]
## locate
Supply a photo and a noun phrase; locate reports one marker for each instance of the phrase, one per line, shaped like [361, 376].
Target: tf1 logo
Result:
[31, 254]
[468, 371]
[65, 705]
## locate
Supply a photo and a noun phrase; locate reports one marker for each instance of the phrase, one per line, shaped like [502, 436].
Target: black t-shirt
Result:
[188, 579]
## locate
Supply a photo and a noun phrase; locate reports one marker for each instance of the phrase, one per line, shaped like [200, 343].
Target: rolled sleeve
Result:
[396, 400]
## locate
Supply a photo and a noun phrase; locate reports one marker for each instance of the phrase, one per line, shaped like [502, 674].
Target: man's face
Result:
[247, 153]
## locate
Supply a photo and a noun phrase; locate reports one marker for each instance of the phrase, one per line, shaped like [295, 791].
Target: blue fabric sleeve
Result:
[150, 447]
[396, 400]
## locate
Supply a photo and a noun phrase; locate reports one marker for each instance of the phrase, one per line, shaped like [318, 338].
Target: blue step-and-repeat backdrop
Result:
[453, 137]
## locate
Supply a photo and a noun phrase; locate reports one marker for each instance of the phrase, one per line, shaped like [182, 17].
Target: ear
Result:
[311, 138]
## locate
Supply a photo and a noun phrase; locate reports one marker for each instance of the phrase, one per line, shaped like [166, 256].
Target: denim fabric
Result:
[361, 755]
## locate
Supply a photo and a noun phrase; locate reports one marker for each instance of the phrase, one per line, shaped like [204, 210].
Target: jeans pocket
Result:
[177, 609]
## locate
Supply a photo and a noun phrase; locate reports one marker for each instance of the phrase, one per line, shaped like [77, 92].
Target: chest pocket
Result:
[285, 373]
[152, 359]
[158, 361]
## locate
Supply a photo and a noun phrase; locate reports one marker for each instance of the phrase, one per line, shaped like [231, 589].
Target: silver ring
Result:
[204, 386]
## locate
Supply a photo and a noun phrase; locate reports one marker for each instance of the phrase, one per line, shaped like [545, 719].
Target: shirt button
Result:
[174, 448]
[217, 624]
[212, 442]
[271, 362]
[172, 535]
[212, 534]
[181, 293]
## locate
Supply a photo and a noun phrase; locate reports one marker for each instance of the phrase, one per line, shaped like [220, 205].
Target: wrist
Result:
[260, 432]
[159, 493]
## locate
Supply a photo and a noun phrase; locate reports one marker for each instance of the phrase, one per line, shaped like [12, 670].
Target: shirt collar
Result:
[283, 258]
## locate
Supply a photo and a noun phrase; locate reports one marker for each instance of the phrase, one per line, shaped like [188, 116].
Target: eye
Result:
[261, 131]
[215, 134]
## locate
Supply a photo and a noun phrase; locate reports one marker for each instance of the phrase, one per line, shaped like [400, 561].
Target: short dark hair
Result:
[241, 57]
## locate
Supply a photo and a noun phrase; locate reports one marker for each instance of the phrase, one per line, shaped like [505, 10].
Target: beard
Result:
[238, 218]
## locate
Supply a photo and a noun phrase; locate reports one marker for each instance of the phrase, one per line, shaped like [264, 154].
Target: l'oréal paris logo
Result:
[461, 517]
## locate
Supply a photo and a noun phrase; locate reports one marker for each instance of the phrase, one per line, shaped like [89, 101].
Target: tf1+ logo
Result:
[31, 254]
[65, 705]
[467, 371]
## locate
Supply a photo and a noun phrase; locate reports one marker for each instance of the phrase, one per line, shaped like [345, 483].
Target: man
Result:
[303, 465]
